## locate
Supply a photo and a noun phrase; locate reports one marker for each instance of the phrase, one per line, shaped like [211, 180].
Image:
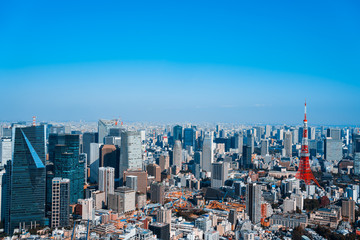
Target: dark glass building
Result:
[189, 137]
[67, 163]
[177, 133]
[26, 180]
[161, 230]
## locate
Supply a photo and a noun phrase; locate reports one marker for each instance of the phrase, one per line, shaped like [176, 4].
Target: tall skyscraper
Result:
[239, 141]
[356, 152]
[67, 163]
[130, 156]
[334, 133]
[177, 132]
[107, 181]
[154, 170]
[104, 128]
[247, 157]
[94, 162]
[253, 200]
[189, 137]
[157, 191]
[208, 152]
[87, 139]
[219, 174]
[264, 147]
[5, 150]
[288, 144]
[164, 161]
[60, 202]
[332, 149]
[267, 131]
[251, 141]
[26, 180]
[177, 154]
[110, 157]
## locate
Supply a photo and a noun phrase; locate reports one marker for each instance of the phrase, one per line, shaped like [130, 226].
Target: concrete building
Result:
[288, 144]
[208, 152]
[132, 182]
[99, 199]
[333, 149]
[141, 179]
[60, 213]
[289, 220]
[164, 161]
[5, 150]
[348, 210]
[130, 156]
[203, 223]
[177, 154]
[157, 193]
[253, 202]
[155, 171]
[94, 162]
[87, 207]
[107, 180]
[219, 174]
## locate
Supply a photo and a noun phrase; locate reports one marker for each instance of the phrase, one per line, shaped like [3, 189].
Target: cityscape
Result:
[179, 120]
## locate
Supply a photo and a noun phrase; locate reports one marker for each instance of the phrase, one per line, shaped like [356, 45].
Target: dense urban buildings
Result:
[179, 182]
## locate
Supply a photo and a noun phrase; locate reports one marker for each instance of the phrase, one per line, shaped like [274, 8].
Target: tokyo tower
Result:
[304, 171]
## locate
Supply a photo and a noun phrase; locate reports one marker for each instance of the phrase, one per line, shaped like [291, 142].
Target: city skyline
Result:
[200, 62]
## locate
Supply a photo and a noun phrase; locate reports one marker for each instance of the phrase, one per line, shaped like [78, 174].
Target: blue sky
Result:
[213, 61]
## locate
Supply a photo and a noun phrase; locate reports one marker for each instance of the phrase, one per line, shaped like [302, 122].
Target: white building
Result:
[107, 180]
[208, 152]
[130, 156]
[5, 150]
[88, 211]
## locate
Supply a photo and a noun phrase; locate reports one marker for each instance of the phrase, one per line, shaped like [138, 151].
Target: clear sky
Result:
[213, 61]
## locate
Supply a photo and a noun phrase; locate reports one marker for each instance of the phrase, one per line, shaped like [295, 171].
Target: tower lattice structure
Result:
[304, 171]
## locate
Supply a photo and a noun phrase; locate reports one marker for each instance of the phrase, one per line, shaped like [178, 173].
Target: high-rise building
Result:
[264, 147]
[334, 133]
[253, 200]
[5, 150]
[110, 157]
[177, 154]
[87, 139]
[219, 174]
[141, 179]
[94, 162]
[26, 179]
[348, 210]
[189, 137]
[208, 152]
[130, 156]
[295, 135]
[107, 180]
[67, 163]
[333, 149]
[155, 171]
[251, 142]
[157, 193]
[161, 230]
[239, 142]
[104, 128]
[233, 217]
[132, 182]
[87, 208]
[356, 143]
[60, 202]
[288, 144]
[164, 161]
[247, 157]
[267, 131]
[177, 133]
[164, 215]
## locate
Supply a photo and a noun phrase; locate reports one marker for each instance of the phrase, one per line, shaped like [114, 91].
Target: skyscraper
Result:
[333, 133]
[208, 152]
[177, 154]
[130, 156]
[5, 150]
[189, 137]
[288, 144]
[87, 139]
[155, 171]
[219, 174]
[177, 132]
[104, 128]
[67, 164]
[132, 182]
[60, 202]
[94, 162]
[264, 147]
[26, 191]
[107, 181]
[250, 142]
[164, 161]
[253, 198]
[239, 142]
[157, 191]
[110, 157]
[332, 149]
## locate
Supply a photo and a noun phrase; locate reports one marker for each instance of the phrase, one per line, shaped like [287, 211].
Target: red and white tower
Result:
[304, 171]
